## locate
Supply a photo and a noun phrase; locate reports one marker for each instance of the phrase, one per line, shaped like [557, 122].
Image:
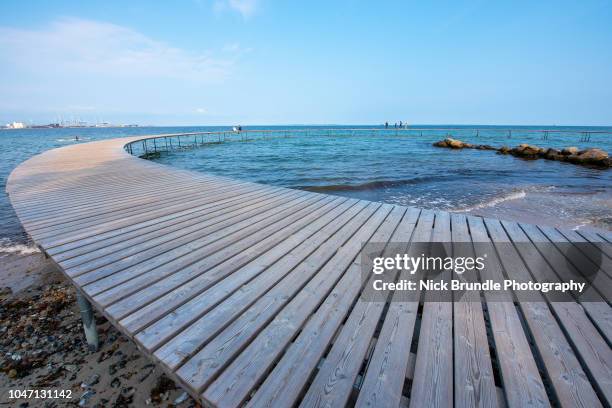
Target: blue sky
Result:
[316, 62]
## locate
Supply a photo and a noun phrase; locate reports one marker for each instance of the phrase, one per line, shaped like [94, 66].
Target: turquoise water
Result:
[402, 168]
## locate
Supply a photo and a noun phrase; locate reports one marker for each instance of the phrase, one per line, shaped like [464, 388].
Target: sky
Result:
[266, 62]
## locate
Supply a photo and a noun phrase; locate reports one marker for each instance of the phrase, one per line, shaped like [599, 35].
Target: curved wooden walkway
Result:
[249, 294]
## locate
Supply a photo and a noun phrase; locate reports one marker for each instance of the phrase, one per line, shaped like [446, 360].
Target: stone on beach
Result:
[526, 151]
[589, 156]
[593, 156]
[569, 151]
[452, 143]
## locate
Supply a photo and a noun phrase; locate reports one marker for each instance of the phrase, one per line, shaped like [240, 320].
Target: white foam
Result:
[517, 195]
[7, 247]
[582, 224]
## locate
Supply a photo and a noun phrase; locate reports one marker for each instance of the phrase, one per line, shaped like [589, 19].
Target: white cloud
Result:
[246, 8]
[202, 111]
[76, 46]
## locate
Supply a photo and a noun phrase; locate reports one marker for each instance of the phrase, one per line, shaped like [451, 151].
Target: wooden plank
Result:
[304, 287]
[215, 253]
[82, 245]
[215, 220]
[70, 210]
[563, 368]
[474, 383]
[595, 305]
[593, 252]
[334, 381]
[137, 231]
[96, 231]
[523, 385]
[187, 249]
[234, 384]
[591, 347]
[79, 225]
[601, 240]
[138, 311]
[389, 365]
[194, 340]
[433, 375]
[225, 250]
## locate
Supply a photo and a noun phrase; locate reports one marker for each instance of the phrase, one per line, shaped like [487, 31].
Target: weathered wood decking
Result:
[249, 294]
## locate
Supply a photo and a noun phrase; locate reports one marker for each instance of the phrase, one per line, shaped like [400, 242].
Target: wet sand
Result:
[42, 346]
[576, 210]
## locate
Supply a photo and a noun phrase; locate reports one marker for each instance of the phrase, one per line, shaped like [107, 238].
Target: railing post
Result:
[89, 321]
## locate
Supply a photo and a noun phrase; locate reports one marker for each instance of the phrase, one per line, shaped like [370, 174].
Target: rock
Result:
[569, 151]
[452, 143]
[503, 150]
[553, 154]
[163, 385]
[123, 401]
[525, 150]
[181, 398]
[5, 292]
[484, 147]
[12, 373]
[115, 383]
[85, 397]
[91, 381]
[592, 156]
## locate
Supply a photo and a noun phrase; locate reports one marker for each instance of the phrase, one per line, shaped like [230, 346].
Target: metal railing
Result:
[154, 145]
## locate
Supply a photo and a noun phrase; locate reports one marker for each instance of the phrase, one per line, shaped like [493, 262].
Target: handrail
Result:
[223, 135]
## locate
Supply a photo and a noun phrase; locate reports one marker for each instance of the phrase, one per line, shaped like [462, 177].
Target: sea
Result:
[396, 167]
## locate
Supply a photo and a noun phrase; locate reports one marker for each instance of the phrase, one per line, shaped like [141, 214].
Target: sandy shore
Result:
[559, 208]
[42, 346]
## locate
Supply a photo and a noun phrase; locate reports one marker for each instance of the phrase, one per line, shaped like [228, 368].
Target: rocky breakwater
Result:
[588, 157]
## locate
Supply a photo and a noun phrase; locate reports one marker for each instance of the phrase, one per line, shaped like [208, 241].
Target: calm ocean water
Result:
[400, 169]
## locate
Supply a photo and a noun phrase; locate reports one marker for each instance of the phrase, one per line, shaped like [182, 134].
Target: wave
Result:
[72, 139]
[371, 185]
[7, 247]
[516, 195]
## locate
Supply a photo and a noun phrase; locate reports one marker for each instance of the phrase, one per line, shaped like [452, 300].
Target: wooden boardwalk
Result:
[248, 294]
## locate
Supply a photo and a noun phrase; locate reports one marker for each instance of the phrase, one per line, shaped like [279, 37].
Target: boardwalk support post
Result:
[89, 321]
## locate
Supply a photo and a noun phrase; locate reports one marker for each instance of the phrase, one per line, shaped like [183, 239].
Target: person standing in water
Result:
[386, 125]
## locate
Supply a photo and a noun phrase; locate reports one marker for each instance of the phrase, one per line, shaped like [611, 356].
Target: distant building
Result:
[16, 125]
